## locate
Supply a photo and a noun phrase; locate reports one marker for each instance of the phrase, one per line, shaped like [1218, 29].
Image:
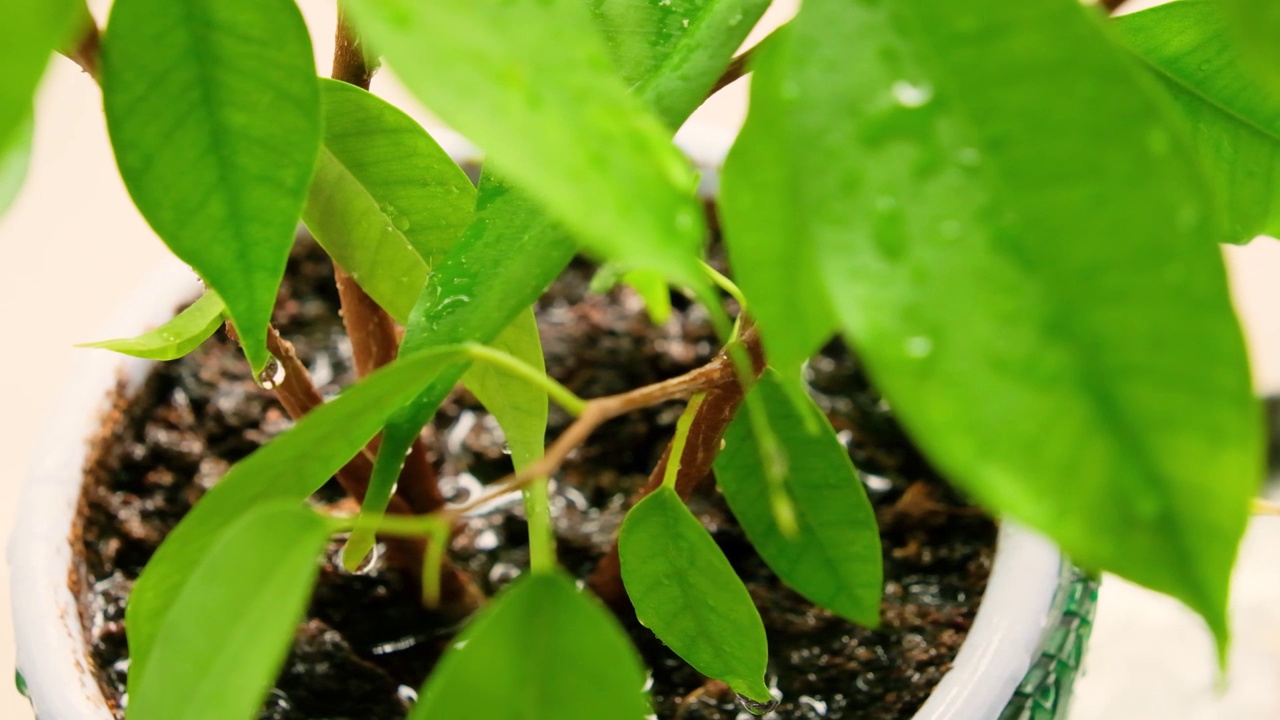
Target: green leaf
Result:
[15, 156]
[1016, 237]
[834, 559]
[675, 52]
[1256, 24]
[33, 30]
[226, 635]
[1234, 122]
[386, 201]
[512, 251]
[541, 649]
[685, 591]
[214, 115]
[539, 93]
[175, 338]
[289, 468]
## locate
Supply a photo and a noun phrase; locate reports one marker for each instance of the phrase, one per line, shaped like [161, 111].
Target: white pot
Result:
[1015, 617]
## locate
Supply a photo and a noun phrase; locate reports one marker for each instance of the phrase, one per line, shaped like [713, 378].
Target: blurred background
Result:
[75, 249]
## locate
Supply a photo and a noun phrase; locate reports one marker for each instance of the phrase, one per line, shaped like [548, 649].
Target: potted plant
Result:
[1005, 215]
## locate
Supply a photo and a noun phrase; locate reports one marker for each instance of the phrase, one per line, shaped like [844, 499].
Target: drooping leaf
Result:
[541, 649]
[289, 468]
[214, 115]
[685, 591]
[386, 200]
[512, 251]
[33, 29]
[15, 156]
[175, 338]
[226, 635]
[1256, 25]
[674, 52]
[834, 559]
[1017, 238]
[539, 93]
[1234, 120]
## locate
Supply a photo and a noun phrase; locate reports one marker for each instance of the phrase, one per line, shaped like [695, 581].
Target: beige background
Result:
[75, 247]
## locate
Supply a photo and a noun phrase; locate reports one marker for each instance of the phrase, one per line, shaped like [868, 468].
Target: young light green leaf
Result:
[289, 468]
[175, 338]
[226, 635]
[15, 156]
[512, 251]
[214, 115]
[540, 94]
[1016, 237]
[541, 649]
[1235, 123]
[1256, 25]
[834, 559]
[33, 29]
[386, 201]
[685, 591]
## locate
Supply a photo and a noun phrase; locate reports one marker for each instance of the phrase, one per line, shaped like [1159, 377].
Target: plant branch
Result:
[1111, 5]
[375, 340]
[85, 51]
[737, 68]
[694, 466]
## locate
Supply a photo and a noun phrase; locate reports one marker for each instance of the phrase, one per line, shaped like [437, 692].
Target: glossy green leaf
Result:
[386, 201]
[539, 93]
[15, 156]
[289, 468]
[674, 52]
[1256, 26]
[226, 635]
[214, 115]
[541, 649]
[512, 251]
[834, 560]
[1234, 121]
[685, 591]
[33, 29]
[175, 338]
[1016, 236]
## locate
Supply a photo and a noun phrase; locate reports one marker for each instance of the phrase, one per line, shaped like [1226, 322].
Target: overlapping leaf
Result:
[686, 592]
[214, 116]
[386, 201]
[834, 559]
[175, 338]
[1017, 238]
[226, 635]
[33, 30]
[1234, 120]
[541, 649]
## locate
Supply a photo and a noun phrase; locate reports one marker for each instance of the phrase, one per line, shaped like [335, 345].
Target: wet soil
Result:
[367, 642]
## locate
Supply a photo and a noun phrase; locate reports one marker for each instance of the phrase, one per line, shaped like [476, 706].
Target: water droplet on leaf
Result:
[919, 346]
[272, 375]
[755, 707]
[911, 95]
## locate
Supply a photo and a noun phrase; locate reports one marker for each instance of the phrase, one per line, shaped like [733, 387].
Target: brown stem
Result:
[86, 50]
[737, 68]
[1111, 5]
[705, 434]
[374, 336]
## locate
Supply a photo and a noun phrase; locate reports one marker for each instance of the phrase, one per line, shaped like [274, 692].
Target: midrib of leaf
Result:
[1104, 408]
[1175, 80]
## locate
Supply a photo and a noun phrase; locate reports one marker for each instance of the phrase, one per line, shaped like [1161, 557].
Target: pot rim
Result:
[52, 658]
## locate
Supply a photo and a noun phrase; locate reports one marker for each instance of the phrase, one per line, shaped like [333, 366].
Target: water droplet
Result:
[911, 95]
[272, 375]
[755, 707]
[919, 346]
[969, 157]
[370, 561]
[665, 3]
[401, 222]
[407, 695]
[684, 220]
[685, 22]
[737, 18]
[1205, 65]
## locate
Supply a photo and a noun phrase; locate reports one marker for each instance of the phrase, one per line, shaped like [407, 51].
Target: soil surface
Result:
[367, 642]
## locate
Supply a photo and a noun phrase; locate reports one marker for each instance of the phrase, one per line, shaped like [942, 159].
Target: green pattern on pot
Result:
[1045, 691]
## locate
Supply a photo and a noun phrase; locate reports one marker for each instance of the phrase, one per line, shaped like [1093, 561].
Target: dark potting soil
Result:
[367, 642]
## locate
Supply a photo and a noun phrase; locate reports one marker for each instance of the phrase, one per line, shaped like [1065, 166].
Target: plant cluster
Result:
[1011, 210]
